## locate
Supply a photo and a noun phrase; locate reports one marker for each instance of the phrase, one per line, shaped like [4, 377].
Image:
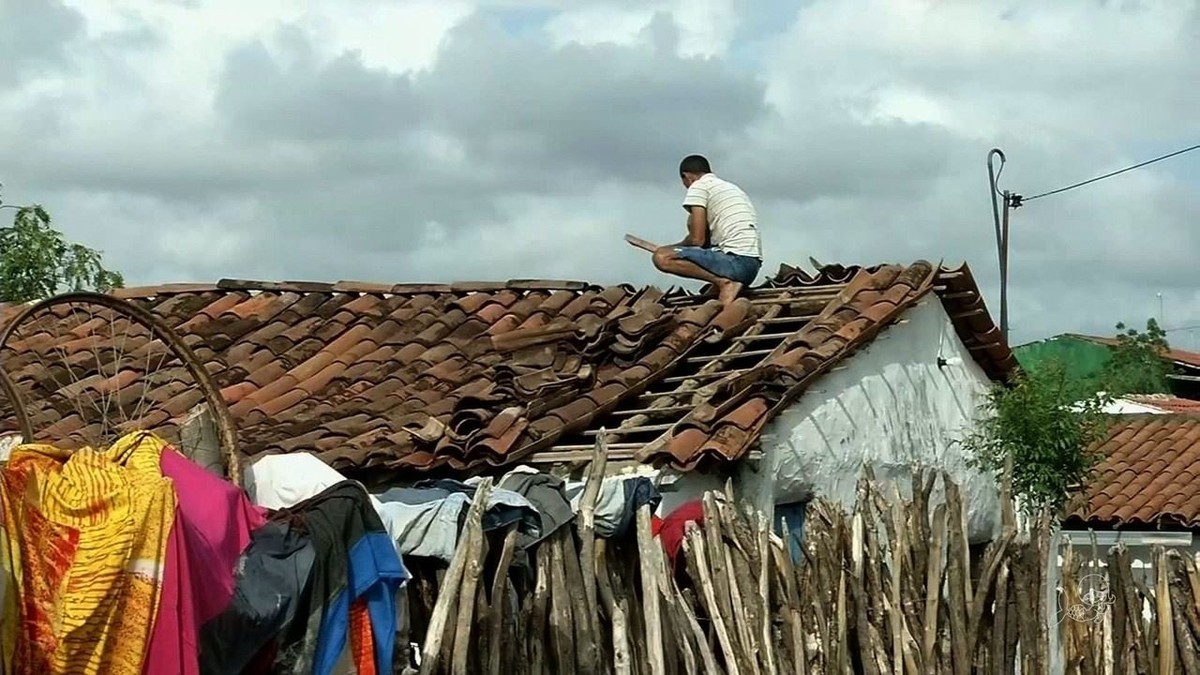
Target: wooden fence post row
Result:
[889, 588]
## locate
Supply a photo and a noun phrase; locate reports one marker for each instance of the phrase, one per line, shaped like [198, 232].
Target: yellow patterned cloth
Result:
[83, 547]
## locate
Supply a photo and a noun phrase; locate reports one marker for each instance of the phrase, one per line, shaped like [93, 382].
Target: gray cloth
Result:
[428, 529]
[547, 494]
[427, 520]
[620, 498]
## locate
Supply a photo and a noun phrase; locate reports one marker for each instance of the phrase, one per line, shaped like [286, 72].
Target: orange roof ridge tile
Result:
[131, 292]
[282, 286]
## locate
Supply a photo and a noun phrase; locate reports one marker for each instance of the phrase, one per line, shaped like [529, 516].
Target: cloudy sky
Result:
[413, 140]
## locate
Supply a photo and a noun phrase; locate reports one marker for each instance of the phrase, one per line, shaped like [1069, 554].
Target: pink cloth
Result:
[213, 522]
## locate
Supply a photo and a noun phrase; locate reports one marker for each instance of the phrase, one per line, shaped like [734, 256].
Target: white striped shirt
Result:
[732, 220]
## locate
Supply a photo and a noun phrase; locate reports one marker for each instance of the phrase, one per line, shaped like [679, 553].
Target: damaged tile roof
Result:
[418, 377]
[1147, 478]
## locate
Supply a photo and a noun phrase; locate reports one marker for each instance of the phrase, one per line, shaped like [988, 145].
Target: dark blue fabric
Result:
[795, 514]
[740, 268]
[270, 581]
[412, 495]
[638, 492]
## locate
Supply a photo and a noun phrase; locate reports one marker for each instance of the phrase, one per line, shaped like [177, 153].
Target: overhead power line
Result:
[1020, 199]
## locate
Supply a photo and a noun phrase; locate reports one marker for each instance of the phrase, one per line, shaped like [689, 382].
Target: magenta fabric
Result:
[213, 522]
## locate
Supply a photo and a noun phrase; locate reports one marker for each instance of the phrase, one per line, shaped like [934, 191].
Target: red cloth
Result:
[671, 529]
[213, 521]
[362, 642]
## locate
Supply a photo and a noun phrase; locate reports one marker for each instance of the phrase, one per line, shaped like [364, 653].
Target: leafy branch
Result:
[1138, 364]
[36, 261]
[1048, 433]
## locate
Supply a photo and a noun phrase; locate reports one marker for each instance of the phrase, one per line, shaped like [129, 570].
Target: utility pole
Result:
[1010, 202]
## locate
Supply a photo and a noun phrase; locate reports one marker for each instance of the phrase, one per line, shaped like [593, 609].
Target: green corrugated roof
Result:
[1081, 358]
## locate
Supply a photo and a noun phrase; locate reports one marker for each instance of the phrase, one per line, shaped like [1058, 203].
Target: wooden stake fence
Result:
[888, 589]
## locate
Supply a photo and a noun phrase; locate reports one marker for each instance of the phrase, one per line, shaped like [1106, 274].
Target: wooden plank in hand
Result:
[641, 243]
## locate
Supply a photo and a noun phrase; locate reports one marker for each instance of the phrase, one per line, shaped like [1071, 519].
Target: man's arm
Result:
[697, 227]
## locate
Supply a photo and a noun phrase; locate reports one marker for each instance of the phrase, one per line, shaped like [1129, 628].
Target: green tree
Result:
[1138, 364]
[36, 261]
[1048, 432]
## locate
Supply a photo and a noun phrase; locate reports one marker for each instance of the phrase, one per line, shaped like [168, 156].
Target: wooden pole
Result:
[764, 595]
[449, 593]
[474, 545]
[587, 526]
[696, 547]
[617, 611]
[651, 606]
[499, 600]
[1166, 631]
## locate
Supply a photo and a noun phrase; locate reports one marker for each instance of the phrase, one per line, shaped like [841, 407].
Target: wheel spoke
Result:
[105, 349]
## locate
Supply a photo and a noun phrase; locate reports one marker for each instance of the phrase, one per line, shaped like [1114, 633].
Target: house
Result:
[1084, 357]
[789, 392]
[1143, 492]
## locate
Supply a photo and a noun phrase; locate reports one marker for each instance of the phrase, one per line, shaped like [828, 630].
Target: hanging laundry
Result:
[546, 493]
[271, 579]
[213, 526]
[428, 529]
[282, 481]
[618, 502]
[355, 559]
[105, 517]
[504, 507]
[671, 529]
[429, 519]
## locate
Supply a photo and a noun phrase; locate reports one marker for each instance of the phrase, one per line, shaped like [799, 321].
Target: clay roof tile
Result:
[334, 368]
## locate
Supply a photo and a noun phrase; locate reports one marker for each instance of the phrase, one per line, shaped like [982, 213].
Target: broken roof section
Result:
[413, 378]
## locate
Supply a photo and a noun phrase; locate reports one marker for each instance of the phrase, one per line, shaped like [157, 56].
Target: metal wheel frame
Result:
[226, 428]
[9, 389]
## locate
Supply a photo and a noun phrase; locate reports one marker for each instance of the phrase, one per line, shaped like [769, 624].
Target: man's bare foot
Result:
[728, 291]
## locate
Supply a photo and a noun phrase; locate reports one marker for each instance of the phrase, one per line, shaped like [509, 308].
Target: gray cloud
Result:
[34, 36]
[509, 156]
[311, 101]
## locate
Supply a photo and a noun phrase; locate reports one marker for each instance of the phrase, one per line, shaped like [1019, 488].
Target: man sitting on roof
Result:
[722, 245]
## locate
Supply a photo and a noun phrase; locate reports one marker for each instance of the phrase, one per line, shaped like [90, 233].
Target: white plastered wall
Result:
[889, 405]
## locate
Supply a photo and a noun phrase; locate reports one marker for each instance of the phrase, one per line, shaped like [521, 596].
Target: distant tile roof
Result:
[1166, 402]
[420, 377]
[1178, 356]
[1148, 477]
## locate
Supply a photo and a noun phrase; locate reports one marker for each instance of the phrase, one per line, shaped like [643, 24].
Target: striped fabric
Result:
[732, 220]
[83, 549]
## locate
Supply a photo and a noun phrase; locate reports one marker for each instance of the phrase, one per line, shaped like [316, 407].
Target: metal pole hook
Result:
[1001, 224]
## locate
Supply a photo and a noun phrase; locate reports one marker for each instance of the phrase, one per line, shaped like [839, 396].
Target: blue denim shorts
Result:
[740, 268]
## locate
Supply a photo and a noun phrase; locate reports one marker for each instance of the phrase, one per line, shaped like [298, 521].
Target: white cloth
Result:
[281, 481]
[8, 442]
[732, 220]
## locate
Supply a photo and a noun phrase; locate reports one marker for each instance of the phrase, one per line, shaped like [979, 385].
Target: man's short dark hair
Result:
[696, 164]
